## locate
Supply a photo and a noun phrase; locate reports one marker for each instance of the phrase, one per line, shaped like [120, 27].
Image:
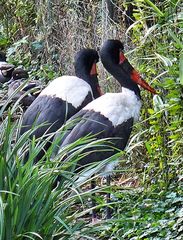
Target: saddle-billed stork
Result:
[6, 69]
[19, 75]
[113, 114]
[64, 97]
[26, 94]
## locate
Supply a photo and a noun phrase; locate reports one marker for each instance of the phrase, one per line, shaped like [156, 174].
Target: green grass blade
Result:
[155, 8]
[181, 68]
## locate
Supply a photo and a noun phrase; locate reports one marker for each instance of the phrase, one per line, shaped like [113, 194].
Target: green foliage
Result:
[17, 19]
[22, 53]
[152, 214]
[29, 208]
[158, 56]
[17, 53]
[181, 68]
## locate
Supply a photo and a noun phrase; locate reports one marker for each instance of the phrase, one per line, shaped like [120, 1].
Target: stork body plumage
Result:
[110, 116]
[6, 69]
[64, 96]
[19, 76]
[113, 114]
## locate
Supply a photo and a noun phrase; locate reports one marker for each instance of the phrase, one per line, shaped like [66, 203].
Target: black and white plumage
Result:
[64, 96]
[19, 76]
[113, 114]
[14, 78]
[6, 69]
[19, 88]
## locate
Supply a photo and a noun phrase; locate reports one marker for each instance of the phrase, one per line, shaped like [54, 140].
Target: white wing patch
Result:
[69, 88]
[3, 63]
[1, 75]
[117, 107]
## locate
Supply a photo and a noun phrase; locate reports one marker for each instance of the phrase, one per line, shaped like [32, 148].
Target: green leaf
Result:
[150, 111]
[167, 62]
[148, 147]
[175, 38]
[181, 68]
[155, 8]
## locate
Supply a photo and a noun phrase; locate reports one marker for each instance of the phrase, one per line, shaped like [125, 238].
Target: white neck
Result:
[117, 107]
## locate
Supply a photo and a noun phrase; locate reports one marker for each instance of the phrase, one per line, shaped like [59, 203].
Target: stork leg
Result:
[108, 209]
[94, 214]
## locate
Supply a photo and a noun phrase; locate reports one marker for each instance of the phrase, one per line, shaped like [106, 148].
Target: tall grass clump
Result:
[30, 207]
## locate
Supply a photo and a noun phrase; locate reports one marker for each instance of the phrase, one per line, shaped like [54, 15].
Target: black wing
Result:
[96, 124]
[50, 112]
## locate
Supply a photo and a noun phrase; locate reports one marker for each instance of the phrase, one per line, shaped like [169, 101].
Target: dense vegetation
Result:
[147, 186]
